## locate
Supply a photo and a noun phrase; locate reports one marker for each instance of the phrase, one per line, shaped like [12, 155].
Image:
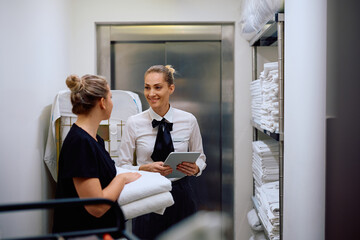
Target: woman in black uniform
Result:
[85, 167]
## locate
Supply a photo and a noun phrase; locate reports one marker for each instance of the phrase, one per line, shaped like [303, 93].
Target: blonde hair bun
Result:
[171, 69]
[74, 83]
[86, 91]
[167, 70]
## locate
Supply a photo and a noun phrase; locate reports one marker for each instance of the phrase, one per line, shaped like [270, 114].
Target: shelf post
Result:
[280, 26]
[254, 63]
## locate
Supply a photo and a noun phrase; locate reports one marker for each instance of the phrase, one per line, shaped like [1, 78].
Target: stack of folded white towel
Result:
[149, 193]
[256, 226]
[265, 102]
[258, 236]
[265, 163]
[266, 175]
[256, 100]
[254, 221]
[268, 199]
[270, 96]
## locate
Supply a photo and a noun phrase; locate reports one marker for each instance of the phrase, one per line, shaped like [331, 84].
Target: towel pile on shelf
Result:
[255, 14]
[149, 193]
[266, 175]
[265, 98]
[268, 199]
[258, 236]
[254, 221]
[257, 229]
[265, 161]
[270, 97]
[256, 100]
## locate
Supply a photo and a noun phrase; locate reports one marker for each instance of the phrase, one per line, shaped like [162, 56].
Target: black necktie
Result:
[163, 144]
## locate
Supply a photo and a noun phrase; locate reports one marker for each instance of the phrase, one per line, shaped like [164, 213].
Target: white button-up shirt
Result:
[139, 137]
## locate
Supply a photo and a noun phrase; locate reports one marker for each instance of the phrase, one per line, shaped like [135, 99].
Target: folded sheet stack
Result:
[257, 228]
[256, 100]
[265, 163]
[270, 97]
[268, 199]
[266, 177]
[255, 14]
[258, 236]
[265, 98]
[254, 221]
[149, 193]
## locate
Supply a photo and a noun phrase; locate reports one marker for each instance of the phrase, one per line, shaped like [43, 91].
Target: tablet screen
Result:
[176, 158]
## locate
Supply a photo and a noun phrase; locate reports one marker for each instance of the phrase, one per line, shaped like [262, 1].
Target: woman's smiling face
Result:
[157, 92]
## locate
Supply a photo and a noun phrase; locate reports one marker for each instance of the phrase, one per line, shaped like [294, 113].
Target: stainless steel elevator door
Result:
[129, 61]
[197, 90]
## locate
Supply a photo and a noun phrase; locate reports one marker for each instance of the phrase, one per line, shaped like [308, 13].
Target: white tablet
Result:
[176, 158]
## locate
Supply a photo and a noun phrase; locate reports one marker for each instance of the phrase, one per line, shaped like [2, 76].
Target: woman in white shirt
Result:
[139, 139]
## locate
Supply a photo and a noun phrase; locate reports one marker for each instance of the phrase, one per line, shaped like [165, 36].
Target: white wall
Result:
[243, 138]
[304, 126]
[44, 28]
[33, 66]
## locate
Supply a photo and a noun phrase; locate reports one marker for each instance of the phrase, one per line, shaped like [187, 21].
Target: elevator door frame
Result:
[223, 32]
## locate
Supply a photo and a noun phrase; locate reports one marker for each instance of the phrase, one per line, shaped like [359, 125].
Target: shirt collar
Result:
[168, 116]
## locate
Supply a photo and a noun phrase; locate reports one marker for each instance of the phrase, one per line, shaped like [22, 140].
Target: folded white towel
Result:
[254, 220]
[258, 236]
[273, 230]
[269, 143]
[265, 151]
[155, 203]
[270, 66]
[275, 113]
[266, 143]
[272, 156]
[273, 72]
[147, 185]
[269, 194]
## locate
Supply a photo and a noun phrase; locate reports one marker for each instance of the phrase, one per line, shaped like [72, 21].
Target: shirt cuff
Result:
[201, 166]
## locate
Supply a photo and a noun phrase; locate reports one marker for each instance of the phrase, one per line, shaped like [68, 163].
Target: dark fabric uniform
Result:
[82, 156]
[151, 225]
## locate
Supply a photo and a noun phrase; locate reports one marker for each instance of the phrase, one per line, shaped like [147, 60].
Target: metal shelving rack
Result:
[273, 35]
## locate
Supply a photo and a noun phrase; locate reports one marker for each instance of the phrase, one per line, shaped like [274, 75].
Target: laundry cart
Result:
[125, 104]
[115, 232]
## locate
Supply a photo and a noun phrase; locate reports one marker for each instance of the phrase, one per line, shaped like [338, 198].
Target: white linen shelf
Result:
[272, 35]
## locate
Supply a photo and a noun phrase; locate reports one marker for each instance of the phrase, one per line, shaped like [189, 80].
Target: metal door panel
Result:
[197, 90]
[129, 63]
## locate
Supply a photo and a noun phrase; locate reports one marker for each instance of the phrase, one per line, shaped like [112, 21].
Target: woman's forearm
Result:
[91, 188]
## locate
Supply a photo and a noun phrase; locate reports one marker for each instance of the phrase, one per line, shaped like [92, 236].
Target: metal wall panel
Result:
[198, 90]
[129, 61]
[227, 122]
